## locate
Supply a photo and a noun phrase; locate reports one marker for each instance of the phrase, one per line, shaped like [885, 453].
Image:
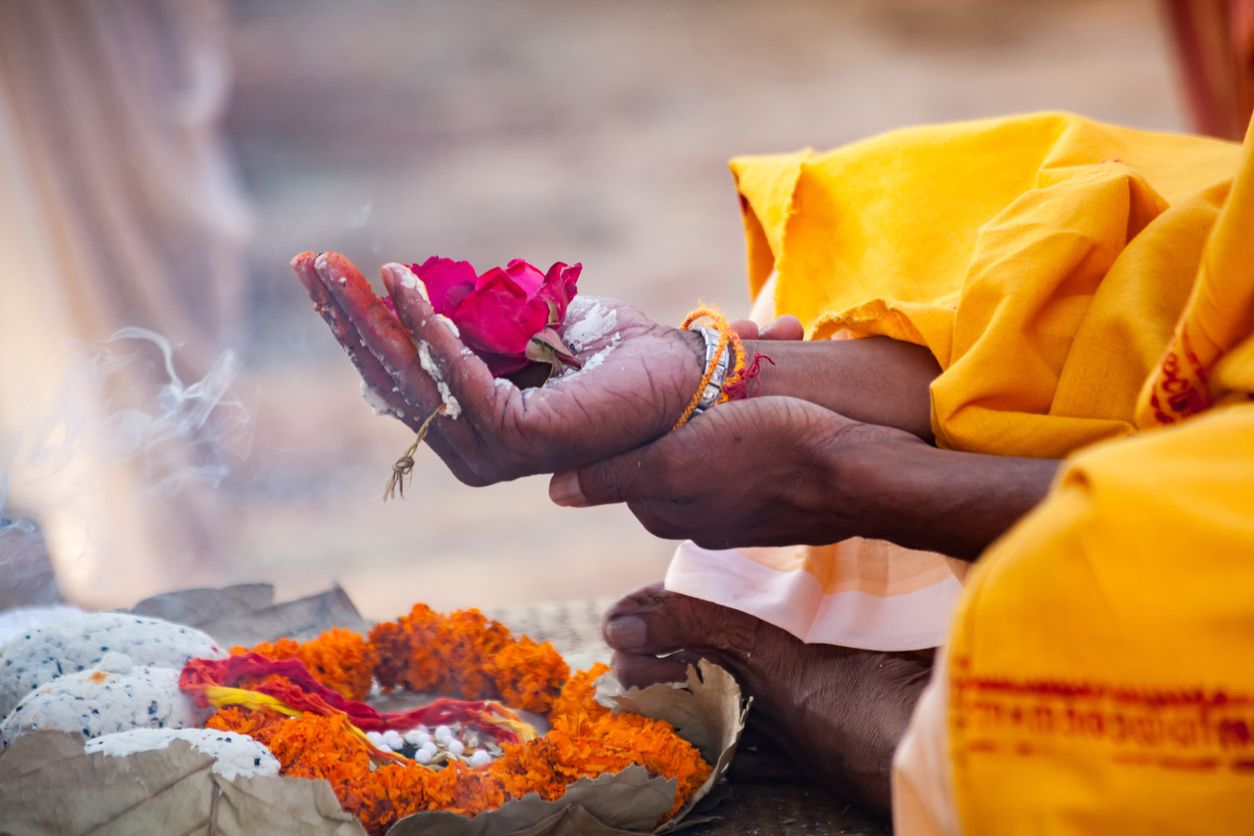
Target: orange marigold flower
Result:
[251, 723]
[528, 675]
[406, 650]
[470, 656]
[340, 659]
[428, 652]
[471, 639]
[579, 693]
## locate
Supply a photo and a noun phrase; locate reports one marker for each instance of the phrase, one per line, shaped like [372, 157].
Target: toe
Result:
[653, 621]
[636, 670]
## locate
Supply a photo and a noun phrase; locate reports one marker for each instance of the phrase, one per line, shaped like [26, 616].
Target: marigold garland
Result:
[477, 658]
[466, 654]
[341, 659]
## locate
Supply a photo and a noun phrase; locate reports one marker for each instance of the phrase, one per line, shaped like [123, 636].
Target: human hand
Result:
[775, 471]
[768, 471]
[636, 379]
[784, 329]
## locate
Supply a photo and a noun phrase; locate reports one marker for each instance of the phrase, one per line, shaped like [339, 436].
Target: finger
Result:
[785, 328]
[641, 670]
[372, 372]
[661, 470]
[746, 329]
[383, 337]
[467, 377]
[380, 331]
[669, 519]
[423, 382]
[619, 479]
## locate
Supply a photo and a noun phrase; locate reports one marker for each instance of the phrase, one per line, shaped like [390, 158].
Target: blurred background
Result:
[161, 161]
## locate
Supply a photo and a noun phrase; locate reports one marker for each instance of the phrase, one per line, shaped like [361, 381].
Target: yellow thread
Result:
[223, 695]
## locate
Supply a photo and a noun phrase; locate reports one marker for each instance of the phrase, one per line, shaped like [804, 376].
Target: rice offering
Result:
[99, 702]
[233, 754]
[42, 654]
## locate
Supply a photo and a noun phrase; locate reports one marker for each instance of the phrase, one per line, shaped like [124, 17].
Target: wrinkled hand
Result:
[632, 396]
[768, 471]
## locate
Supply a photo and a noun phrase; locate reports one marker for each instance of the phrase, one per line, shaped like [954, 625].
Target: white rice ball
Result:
[97, 702]
[233, 753]
[43, 653]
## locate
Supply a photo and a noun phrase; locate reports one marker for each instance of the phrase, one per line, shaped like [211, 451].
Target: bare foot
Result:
[838, 712]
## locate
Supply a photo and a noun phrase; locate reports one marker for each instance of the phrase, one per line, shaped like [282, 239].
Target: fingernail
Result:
[626, 632]
[564, 490]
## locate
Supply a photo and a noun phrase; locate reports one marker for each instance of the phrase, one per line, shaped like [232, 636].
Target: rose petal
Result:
[525, 276]
[499, 318]
[447, 282]
[560, 287]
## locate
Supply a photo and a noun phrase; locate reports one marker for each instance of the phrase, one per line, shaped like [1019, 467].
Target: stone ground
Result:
[595, 131]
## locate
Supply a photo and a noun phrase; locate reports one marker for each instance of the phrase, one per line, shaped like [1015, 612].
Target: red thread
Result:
[738, 389]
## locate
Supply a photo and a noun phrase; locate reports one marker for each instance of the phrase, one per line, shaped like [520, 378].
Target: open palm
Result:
[637, 377]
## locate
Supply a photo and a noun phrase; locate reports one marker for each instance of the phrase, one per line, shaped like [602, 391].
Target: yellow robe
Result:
[1101, 667]
[1018, 250]
[1088, 292]
[1043, 259]
[1100, 672]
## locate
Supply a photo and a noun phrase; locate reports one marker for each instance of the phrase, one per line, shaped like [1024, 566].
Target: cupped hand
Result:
[767, 471]
[636, 380]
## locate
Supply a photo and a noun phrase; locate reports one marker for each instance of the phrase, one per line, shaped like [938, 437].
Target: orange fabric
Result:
[1101, 665]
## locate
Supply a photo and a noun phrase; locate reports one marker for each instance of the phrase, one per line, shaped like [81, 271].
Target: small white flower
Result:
[443, 734]
[424, 755]
[456, 747]
[480, 758]
[375, 739]
[393, 739]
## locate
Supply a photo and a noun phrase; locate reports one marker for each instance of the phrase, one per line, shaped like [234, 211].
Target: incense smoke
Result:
[125, 439]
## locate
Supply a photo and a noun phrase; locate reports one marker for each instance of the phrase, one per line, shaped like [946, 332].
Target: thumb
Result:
[623, 478]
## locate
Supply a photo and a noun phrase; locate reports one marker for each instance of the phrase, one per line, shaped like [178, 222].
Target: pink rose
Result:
[507, 316]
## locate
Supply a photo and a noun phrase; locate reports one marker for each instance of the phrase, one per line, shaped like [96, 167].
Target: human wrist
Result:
[690, 348]
[878, 473]
[874, 380]
[721, 357]
[949, 501]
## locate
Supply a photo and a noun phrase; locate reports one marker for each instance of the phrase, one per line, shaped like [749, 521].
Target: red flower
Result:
[506, 315]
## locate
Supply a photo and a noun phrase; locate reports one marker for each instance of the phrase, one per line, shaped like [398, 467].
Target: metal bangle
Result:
[714, 389]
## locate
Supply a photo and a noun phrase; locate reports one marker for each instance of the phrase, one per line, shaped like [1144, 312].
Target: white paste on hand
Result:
[448, 323]
[588, 365]
[376, 401]
[587, 321]
[452, 408]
